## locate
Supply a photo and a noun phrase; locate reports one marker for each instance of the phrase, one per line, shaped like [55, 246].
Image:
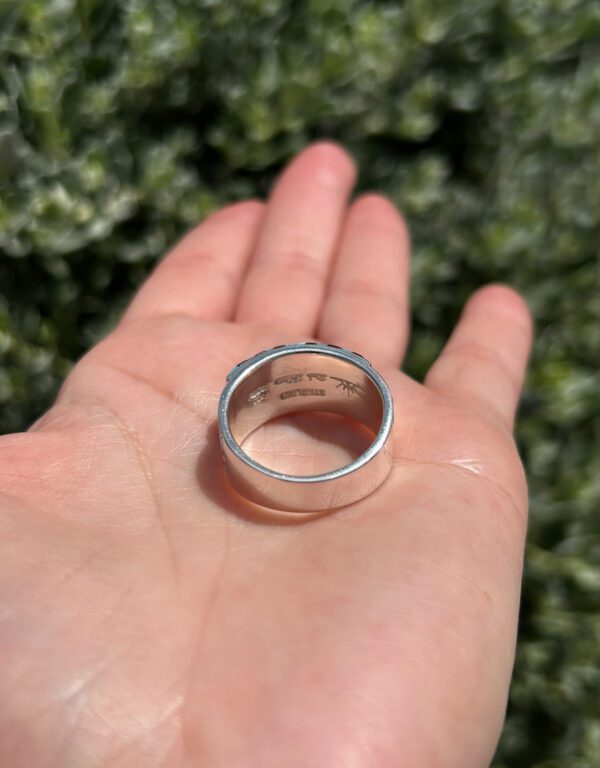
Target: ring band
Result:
[305, 377]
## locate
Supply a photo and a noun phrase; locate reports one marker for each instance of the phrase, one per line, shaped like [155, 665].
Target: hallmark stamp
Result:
[306, 392]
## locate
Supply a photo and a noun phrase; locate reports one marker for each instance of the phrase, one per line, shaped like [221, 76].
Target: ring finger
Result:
[367, 306]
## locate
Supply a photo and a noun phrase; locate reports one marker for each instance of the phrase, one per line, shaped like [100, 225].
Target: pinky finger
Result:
[484, 360]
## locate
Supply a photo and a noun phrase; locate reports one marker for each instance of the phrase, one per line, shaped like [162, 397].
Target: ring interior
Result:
[304, 381]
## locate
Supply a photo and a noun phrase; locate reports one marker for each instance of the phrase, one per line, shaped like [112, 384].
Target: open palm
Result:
[151, 617]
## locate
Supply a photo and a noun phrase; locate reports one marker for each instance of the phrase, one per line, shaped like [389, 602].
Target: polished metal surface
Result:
[301, 377]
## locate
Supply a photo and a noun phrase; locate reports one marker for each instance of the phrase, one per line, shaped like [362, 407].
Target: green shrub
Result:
[122, 122]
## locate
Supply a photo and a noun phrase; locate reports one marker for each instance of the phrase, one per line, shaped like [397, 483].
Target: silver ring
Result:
[301, 377]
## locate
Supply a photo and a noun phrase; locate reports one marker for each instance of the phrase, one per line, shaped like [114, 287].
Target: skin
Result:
[149, 616]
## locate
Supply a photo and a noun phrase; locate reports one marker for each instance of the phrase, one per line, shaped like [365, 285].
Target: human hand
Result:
[149, 618]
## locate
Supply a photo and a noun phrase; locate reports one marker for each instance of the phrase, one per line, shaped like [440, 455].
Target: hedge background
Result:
[122, 122]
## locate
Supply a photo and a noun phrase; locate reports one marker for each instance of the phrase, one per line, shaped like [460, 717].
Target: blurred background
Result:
[124, 122]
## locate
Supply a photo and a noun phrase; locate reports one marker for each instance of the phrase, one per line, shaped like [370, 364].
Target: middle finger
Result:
[287, 275]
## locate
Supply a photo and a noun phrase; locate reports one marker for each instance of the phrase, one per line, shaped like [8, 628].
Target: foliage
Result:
[123, 122]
